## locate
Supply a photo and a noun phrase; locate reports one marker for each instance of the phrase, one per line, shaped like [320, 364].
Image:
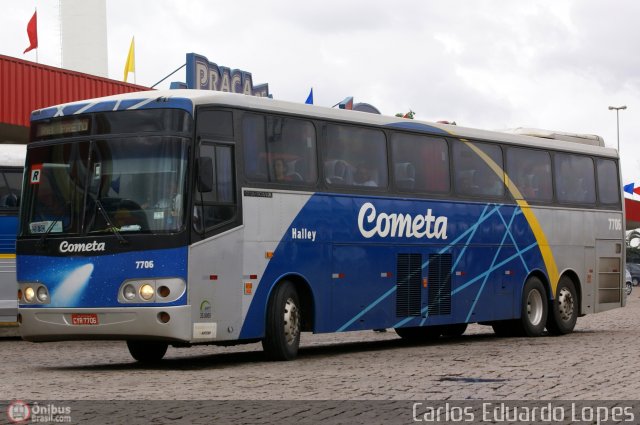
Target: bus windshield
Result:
[127, 184]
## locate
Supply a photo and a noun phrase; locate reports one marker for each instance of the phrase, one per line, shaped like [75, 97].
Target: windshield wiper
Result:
[110, 225]
[43, 239]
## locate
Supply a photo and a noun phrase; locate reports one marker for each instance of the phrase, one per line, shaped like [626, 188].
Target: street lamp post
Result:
[617, 109]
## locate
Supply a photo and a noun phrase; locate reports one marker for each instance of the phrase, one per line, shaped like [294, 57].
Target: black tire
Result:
[420, 333]
[629, 288]
[506, 328]
[563, 310]
[454, 331]
[147, 351]
[534, 310]
[283, 324]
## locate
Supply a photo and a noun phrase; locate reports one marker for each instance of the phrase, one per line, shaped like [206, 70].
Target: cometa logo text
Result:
[385, 225]
[94, 246]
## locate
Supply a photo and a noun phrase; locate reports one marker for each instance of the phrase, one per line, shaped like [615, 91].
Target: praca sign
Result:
[205, 75]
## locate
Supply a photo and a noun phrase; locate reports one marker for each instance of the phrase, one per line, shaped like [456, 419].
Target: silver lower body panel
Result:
[56, 324]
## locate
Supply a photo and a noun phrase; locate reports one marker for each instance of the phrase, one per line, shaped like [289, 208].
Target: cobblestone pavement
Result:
[597, 361]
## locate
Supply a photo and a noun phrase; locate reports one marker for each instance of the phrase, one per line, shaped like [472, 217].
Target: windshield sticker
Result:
[36, 171]
[43, 226]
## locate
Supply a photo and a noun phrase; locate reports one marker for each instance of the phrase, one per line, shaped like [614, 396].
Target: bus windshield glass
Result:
[127, 184]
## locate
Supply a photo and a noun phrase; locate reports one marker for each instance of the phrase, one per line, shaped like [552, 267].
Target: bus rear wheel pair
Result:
[558, 315]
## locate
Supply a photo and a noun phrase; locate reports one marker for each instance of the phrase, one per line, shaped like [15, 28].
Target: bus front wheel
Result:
[533, 314]
[147, 351]
[563, 309]
[284, 323]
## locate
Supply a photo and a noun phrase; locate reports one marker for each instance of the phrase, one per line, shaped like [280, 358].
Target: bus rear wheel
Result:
[563, 309]
[147, 351]
[534, 311]
[284, 323]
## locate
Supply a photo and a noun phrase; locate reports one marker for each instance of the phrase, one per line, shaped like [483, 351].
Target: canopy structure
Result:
[632, 210]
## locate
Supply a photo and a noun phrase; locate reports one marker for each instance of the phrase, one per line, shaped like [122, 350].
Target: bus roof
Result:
[12, 155]
[190, 99]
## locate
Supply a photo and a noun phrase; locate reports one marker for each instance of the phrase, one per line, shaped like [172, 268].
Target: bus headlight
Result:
[29, 294]
[42, 294]
[129, 292]
[163, 290]
[146, 292]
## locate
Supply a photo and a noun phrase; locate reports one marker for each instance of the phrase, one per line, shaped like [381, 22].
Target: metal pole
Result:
[618, 128]
[617, 109]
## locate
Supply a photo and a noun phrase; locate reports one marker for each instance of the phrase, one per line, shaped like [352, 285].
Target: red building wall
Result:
[25, 86]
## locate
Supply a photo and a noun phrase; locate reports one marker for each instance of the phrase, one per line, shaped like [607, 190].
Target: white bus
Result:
[11, 167]
[191, 217]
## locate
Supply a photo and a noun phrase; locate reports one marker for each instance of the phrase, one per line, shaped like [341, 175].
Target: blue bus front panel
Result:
[86, 295]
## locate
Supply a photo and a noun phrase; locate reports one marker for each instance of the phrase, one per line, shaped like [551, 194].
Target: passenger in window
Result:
[363, 176]
[280, 171]
[488, 183]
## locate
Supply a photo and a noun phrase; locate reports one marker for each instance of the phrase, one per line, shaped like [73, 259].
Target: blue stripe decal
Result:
[493, 262]
[366, 298]
[467, 234]
[513, 240]
[497, 266]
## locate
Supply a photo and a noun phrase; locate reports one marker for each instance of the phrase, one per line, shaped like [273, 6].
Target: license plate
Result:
[84, 319]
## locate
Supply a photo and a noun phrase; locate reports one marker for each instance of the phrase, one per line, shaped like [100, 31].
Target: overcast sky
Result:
[492, 64]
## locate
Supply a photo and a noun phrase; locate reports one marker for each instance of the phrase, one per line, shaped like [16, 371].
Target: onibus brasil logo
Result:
[18, 412]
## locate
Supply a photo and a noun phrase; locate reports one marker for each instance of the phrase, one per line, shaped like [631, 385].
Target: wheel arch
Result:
[305, 295]
[573, 276]
[543, 278]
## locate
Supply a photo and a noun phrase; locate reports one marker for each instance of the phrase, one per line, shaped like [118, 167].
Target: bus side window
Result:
[217, 207]
[421, 163]
[575, 178]
[10, 182]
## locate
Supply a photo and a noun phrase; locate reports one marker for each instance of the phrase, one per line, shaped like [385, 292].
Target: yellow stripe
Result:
[5, 256]
[541, 238]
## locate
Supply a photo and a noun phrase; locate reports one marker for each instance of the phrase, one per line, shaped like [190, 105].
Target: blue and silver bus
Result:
[11, 167]
[188, 217]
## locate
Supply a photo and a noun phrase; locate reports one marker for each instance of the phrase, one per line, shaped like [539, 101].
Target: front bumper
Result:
[55, 324]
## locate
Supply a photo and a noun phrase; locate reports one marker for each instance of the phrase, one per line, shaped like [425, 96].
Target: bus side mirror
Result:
[205, 175]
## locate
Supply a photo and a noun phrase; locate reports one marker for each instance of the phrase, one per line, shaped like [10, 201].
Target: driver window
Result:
[212, 209]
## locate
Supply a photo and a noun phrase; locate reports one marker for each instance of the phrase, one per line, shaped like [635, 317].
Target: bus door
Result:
[215, 263]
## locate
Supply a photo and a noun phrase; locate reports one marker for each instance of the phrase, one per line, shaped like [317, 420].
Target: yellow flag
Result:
[130, 65]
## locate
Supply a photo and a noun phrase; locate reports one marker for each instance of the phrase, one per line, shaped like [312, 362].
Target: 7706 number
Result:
[144, 264]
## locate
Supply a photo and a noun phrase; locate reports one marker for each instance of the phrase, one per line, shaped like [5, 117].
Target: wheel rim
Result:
[291, 321]
[565, 304]
[535, 307]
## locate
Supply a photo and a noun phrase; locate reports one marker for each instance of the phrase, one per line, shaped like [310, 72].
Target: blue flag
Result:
[309, 100]
[629, 188]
